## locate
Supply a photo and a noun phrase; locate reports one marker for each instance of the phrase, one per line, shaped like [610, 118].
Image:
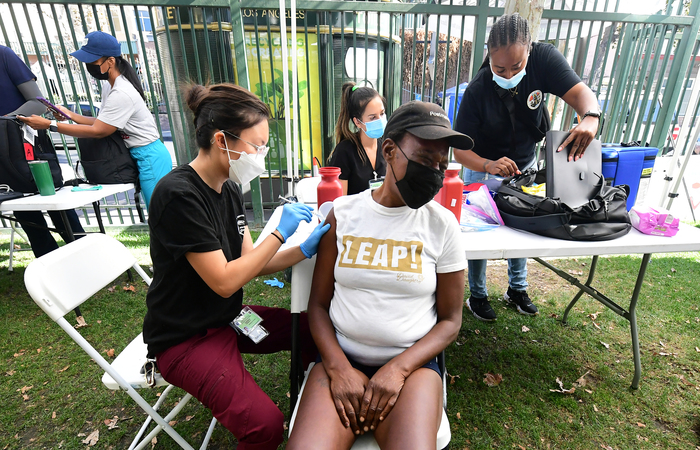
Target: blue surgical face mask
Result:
[508, 83]
[375, 128]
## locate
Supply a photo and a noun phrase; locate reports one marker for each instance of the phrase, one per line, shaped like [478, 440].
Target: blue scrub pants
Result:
[153, 161]
[517, 268]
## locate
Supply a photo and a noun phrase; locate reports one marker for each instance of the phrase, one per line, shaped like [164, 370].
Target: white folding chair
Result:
[302, 274]
[62, 280]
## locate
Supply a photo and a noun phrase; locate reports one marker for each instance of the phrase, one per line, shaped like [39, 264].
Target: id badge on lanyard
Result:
[376, 182]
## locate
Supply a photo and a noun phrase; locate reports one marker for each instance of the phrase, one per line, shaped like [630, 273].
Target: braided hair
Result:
[509, 29]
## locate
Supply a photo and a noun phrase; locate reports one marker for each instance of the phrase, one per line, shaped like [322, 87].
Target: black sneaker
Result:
[520, 300]
[481, 308]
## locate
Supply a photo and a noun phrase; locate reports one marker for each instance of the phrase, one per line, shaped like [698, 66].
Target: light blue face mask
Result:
[508, 83]
[375, 128]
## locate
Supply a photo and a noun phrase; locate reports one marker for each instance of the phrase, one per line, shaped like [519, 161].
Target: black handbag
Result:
[15, 152]
[107, 160]
[604, 217]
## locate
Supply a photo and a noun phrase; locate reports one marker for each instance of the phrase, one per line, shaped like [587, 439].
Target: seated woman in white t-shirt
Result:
[386, 297]
[123, 108]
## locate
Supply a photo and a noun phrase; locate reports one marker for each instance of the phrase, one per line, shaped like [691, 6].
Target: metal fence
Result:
[641, 66]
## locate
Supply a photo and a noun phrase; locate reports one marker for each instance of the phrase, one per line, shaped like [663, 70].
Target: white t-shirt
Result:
[386, 274]
[123, 108]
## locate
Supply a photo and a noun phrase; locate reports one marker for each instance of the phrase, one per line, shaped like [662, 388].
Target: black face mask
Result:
[96, 72]
[420, 183]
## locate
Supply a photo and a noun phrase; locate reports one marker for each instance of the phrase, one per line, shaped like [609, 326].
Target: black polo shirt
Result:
[483, 115]
[357, 172]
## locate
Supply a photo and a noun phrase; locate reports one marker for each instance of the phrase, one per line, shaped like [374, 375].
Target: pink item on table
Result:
[656, 221]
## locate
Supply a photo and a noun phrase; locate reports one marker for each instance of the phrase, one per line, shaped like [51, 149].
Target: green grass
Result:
[67, 398]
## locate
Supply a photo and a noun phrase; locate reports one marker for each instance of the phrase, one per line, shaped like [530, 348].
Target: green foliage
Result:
[273, 93]
[66, 401]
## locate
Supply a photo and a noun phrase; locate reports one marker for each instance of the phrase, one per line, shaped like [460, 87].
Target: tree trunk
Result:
[531, 10]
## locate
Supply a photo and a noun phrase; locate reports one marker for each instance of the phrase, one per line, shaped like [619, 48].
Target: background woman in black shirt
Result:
[356, 152]
[521, 72]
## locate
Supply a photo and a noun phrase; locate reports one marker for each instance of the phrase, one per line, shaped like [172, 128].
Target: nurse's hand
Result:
[579, 138]
[292, 214]
[504, 167]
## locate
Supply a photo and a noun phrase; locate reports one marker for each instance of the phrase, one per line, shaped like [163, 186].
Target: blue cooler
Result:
[628, 165]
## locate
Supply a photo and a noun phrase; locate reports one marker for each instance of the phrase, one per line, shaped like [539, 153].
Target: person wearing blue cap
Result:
[123, 108]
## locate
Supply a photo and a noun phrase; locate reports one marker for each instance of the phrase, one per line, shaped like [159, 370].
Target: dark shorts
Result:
[369, 371]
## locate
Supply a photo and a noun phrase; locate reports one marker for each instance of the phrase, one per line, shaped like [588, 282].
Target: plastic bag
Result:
[474, 219]
[481, 198]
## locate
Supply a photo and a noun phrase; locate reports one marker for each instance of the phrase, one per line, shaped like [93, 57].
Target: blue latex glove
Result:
[310, 246]
[292, 214]
[274, 283]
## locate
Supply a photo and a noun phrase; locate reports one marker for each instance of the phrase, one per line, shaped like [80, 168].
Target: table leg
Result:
[69, 231]
[591, 274]
[98, 216]
[296, 363]
[633, 320]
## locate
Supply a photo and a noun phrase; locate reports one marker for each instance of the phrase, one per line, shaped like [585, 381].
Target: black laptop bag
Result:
[604, 217]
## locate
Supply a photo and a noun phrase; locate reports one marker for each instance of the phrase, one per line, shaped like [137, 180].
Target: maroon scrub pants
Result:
[209, 366]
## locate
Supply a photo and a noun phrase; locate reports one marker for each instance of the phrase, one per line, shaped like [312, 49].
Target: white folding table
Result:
[65, 199]
[504, 243]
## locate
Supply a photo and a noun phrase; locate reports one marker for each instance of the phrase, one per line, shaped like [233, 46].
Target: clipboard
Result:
[573, 182]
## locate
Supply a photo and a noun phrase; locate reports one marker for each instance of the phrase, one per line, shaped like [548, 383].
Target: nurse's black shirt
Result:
[186, 215]
[357, 172]
[483, 115]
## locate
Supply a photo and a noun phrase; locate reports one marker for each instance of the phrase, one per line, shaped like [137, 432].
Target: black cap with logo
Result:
[427, 121]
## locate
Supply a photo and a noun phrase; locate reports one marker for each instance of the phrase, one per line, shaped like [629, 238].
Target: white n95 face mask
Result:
[246, 168]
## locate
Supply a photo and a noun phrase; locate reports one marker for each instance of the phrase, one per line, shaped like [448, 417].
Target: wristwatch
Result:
[598, 114]
[53, 126]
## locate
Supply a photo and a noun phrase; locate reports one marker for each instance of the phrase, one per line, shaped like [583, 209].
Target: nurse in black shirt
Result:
[519, 73]
[203, 255]
[356, 153]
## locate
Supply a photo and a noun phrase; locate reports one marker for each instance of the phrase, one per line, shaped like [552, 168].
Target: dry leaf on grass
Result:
[64, 369]
[53, 415]
[92, 438]
[561, 389]
[188, 418]
[112, 423]
[641, 425]
[594, 315]
[477, 331]
[111, 289]
[525, 329]
[24, 389]
[110, 353]
[595, 408]
[459, 416]
[596, 325]
[492, 380]
[9, 373]
[172, 423]
[581, 382]
[452, 378]
[129, 287]
[662, 344]
[605, 345]
[81, 322]
[697, 349]
[154, 441]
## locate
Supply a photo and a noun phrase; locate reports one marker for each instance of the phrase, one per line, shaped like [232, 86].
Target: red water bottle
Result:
[329, 188]
[450, 196]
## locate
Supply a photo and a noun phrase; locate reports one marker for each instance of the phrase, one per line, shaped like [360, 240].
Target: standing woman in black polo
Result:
[356, 153]
[518, 73]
